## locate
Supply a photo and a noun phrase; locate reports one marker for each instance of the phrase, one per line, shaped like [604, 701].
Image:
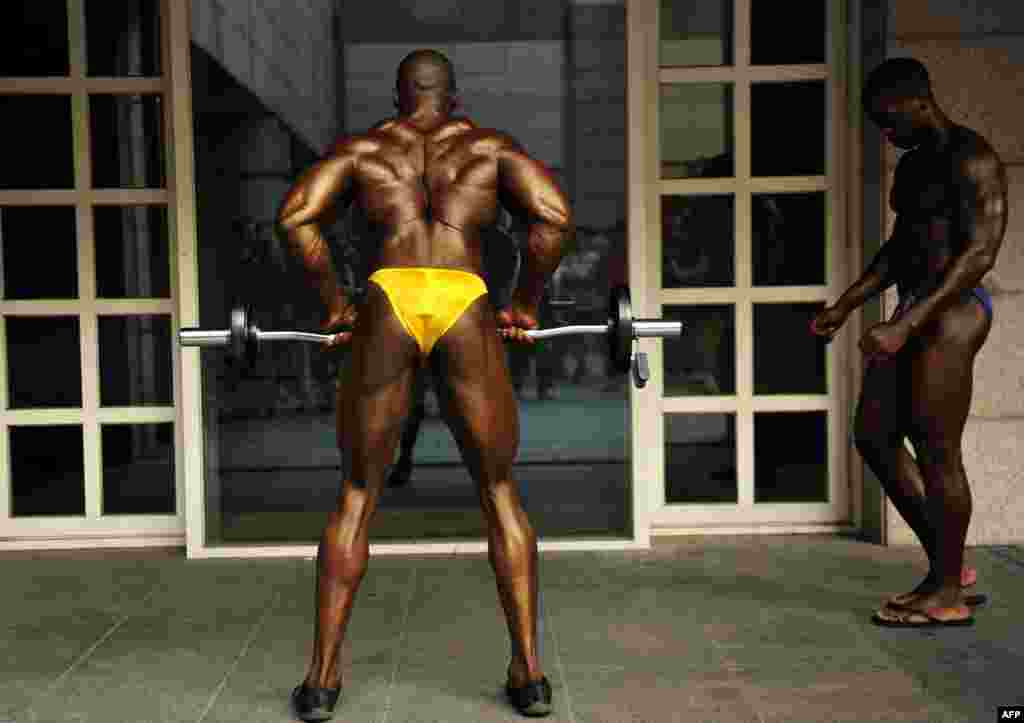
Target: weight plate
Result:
[252, 338]
[620, 333]
[238, 346]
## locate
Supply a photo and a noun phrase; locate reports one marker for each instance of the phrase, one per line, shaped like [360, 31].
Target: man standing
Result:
[949, 195]
[427, 182]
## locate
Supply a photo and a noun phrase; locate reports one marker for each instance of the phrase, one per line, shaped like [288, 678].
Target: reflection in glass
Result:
[789, 239]
[47, 471]
[44, 362]
[138, 469]
[135, 360]
[22, 235]
[697, 242]
[703, 360]
[36, 142]
[132, 252]
[790, 451]
[788, 128]
[696, 131]
[127, 141]
[125, 43]
[795, 36]
[271, 458]
[33, 39]
[698, 33]
[788, 359]
[700, 458]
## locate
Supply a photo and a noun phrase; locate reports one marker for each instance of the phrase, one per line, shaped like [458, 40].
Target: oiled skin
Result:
[950, 199]
[427, 182]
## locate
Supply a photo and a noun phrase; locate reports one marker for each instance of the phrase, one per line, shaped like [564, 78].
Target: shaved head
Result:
[426, 71]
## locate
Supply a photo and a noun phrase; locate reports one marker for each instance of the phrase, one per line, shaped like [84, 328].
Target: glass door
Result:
[271, 91]
[745, 218]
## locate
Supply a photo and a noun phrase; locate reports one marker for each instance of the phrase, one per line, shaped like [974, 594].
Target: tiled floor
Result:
[702, 629]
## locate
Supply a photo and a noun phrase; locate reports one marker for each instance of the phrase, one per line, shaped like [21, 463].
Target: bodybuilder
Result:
[427, 182]
[949, 195]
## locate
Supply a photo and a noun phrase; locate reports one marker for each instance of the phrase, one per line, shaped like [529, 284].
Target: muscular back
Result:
[426, 195]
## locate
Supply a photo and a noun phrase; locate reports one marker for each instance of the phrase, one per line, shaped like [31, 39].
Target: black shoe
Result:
[532, 699]
[315, 704]
[401, 473]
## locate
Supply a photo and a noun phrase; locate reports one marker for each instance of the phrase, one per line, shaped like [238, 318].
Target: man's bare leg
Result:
[941, 387]
[879, 429]
[372, 404]
[481, 409]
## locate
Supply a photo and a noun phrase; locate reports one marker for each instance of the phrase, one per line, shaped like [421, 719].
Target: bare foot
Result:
[968, 578]
[902, 617]
[943, 600]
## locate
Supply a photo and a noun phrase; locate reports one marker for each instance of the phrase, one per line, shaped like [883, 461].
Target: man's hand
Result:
[882, 341]
[343, 316]
[514, 321]
[828, 321]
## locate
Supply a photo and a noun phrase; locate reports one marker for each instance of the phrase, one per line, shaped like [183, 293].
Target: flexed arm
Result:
[982, 225]
[526, 185]
[311, 200]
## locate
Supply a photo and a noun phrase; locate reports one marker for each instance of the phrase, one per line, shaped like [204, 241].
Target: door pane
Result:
[135, 360]
[799, 39]
[127, 141]
[697, 241]
[553, 76]
[36, 130]
[44, 362]
[33, 38]
[132, 252]
[47, 471]
[696, 130]
[700, 458]
[138, 469]
[697, 33]
[125, 43]
[790, 457]
[22, 230]
[789, 239]
[788, 358]
[795, 146]
[703, 360]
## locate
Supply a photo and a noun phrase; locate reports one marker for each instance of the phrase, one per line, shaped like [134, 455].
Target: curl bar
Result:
[621, 331]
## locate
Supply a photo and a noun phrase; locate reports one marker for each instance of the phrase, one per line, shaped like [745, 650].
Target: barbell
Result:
[621, 330]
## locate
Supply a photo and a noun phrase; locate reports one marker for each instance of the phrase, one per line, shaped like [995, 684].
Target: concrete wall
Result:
[975, 53]
[597, 113]
[518, 87]
[283, 52]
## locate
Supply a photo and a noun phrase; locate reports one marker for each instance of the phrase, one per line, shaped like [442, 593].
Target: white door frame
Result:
[93, 529]
[841, 513]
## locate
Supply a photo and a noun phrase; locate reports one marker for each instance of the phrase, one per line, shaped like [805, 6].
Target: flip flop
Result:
[975, 600]
[917, 619]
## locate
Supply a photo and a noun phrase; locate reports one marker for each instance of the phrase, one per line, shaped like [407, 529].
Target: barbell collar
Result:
[657, 328]
[204, 337]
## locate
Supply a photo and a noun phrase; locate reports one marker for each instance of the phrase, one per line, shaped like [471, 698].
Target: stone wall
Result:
[285, 53]
[597, 112]
[975, 54]
[518, 87]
